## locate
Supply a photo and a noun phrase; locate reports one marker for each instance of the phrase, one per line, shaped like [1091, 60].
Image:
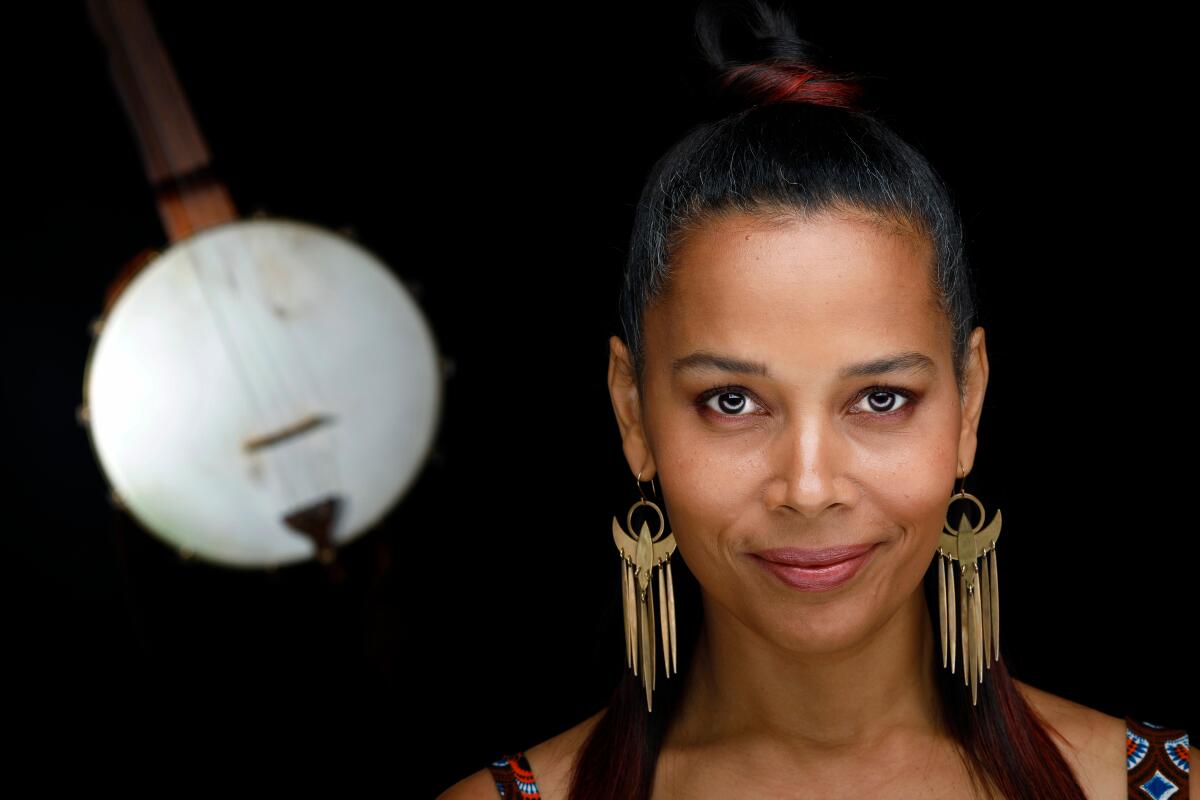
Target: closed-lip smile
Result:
[819, 557]
[815, 570]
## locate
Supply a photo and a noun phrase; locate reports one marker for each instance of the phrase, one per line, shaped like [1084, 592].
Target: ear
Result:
[627, 405]
[976, 370]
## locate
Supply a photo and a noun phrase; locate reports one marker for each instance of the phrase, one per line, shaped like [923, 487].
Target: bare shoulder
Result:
[551, 761]
[476, 786]
[1092, 742]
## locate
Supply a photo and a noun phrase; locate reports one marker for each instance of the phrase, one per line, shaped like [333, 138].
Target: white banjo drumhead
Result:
[256, 369]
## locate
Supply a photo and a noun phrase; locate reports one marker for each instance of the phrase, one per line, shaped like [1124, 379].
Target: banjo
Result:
[263, 389]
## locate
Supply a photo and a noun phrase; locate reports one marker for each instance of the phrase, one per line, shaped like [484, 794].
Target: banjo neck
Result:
[178, 164]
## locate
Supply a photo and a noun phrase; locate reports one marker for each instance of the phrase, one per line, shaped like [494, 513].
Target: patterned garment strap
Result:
[1157, 760]
[514, 777]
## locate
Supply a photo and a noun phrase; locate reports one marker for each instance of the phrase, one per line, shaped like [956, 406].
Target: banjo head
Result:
[258, 371]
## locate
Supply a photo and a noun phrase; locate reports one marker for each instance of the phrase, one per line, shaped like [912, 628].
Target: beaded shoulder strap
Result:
[1157, 761]
[514, 777]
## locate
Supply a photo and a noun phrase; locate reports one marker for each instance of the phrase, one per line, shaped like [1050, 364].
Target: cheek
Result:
[710, 495]
[916, 494]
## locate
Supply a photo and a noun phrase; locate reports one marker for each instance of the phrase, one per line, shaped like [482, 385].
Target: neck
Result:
[742, 689]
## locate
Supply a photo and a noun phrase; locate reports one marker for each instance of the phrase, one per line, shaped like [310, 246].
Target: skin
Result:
[789, 685]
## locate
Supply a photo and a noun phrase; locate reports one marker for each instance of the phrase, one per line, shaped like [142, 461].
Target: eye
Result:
[731, 401]
[880, 401]
[876, 401]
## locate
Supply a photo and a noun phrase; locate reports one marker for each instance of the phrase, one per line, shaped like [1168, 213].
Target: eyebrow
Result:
[704, 360]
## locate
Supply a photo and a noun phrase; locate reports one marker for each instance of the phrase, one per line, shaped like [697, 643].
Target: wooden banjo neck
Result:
[177, 161]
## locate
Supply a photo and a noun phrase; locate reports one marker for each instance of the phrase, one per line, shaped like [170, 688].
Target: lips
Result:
[820, 578]
[800, 557]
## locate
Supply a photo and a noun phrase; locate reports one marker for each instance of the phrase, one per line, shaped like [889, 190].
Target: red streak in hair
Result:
[780, 83]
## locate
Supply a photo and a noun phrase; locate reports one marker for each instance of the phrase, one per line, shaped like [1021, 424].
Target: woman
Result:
[801, 371]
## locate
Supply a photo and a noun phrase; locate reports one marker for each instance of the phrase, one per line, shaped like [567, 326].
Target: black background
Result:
[492, 156]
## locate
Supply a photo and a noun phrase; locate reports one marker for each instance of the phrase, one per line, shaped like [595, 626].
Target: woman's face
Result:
[804, 452]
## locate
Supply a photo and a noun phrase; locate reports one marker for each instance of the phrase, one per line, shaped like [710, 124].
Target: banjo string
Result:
[241, 264]
[321, 481]
[329, 478]
[260, 406]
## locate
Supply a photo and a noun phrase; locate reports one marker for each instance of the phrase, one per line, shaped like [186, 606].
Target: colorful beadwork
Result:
[1156, 761]
[514, 777]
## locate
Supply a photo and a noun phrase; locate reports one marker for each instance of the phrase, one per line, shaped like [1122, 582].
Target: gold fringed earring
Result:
[978, 592]
[639, 556]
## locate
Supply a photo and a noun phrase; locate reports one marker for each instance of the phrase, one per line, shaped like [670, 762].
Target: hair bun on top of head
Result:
[781, 67]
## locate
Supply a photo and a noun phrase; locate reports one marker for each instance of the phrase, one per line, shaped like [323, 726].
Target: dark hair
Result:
[795, 146]
[798, 143]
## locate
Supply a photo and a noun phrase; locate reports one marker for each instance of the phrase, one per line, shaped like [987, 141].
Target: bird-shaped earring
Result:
[639, 556]
[978, 592]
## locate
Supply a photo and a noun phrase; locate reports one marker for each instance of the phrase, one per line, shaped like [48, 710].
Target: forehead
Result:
[829, 289]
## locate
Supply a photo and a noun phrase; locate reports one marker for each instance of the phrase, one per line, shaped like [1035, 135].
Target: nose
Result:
[808, 462]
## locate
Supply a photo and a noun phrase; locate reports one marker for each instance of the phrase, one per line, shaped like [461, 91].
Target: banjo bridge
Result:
[297, 428]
